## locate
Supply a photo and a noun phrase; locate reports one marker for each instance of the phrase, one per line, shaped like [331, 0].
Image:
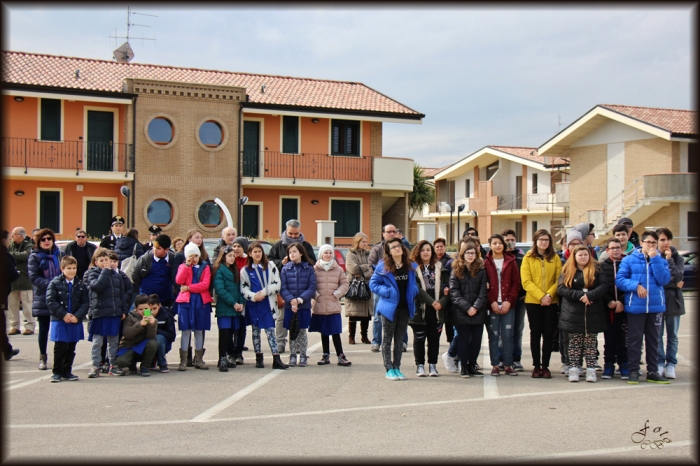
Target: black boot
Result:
[222, 365]
[259, 361]
[189, 357]
[277, 362]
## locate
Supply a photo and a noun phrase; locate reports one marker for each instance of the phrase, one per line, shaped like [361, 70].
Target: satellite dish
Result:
[124, 54]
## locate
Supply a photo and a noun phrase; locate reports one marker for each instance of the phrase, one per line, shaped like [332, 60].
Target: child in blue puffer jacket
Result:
[298, 288]
[642, 277]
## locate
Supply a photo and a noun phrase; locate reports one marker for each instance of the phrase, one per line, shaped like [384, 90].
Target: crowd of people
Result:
[133, 294]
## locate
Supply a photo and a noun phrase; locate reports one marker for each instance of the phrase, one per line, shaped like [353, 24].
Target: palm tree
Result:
[423, 192]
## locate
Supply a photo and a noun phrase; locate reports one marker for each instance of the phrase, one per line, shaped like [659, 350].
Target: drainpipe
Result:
[239, 167]
[133, 148]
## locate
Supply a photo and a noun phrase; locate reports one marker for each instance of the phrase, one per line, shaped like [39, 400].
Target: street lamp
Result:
[460, 208]
[241, 202]
[126, 192]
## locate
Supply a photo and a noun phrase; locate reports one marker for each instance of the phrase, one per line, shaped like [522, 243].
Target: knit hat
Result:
[243, 241]
[324, 248]
[574, 234]
[191, 249]
[625, 221]
[582, 228]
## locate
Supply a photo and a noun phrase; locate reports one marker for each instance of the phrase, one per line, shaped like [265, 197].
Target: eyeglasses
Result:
[80, 236]
[471, 233]
[391, 232]
[543, 240]
[48, 238]
[398, 246]
[650, 243]
[470, 253]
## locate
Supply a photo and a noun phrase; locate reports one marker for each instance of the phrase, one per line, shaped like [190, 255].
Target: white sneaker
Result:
[449, 363]
[565, 369]
[420, 371]
[670, 372]
[590, 375]
[433, 370]
[661, 370]
[573, 375]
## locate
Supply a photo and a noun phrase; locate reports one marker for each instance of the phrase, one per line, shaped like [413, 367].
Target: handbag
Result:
[129, 264]
[358, 290]
[294, 327]
[280, 301]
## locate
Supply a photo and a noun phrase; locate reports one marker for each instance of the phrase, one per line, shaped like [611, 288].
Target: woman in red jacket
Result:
[194, 309]
[503, 284]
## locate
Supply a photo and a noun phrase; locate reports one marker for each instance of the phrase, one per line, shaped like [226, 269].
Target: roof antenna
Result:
[124, 54]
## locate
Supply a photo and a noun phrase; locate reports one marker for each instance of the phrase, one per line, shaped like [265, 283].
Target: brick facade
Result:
[647, 156]
[184, 172]
[667, 217]
[397, 215]
[375, 138]
[588, 172]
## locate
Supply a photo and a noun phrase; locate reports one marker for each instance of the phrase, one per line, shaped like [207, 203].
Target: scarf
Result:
[286, 240]
[326, 265]
[49, 263]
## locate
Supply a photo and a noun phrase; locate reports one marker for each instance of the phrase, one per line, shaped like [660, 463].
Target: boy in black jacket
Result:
[68, 300]
[166, 331]
[616, 333]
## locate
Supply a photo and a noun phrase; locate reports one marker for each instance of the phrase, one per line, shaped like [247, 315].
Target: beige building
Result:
[635, 162]
[500, 187]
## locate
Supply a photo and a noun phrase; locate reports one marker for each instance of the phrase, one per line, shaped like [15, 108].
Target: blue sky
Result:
[482, 76]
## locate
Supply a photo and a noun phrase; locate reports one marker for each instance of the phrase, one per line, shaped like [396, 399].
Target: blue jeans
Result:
[669, 355]
[377, 325]
[163, 348]
[518, 327]
[453, 350]
[501, 324]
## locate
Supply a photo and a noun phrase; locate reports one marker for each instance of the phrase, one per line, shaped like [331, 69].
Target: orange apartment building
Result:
[77, 130]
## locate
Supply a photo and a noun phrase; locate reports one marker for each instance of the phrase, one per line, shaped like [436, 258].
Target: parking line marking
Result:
[217, 408]
[45, 377]
[342, 410]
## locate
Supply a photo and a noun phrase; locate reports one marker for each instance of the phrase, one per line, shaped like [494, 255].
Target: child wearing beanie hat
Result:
[236, 344]
[331, 285]
[194, 304]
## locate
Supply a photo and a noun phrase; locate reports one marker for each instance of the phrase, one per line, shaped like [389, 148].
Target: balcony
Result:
[532, 201]
[268, 168]
[35, 156]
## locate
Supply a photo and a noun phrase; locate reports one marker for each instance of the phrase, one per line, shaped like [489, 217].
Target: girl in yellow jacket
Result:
[539, 275]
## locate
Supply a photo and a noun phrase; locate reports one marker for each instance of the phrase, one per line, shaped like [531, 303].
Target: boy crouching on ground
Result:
[139, 341]
[166, 331]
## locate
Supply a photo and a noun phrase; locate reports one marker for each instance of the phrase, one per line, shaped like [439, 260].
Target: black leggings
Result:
[469, 343]
[336, 343]
[225, 343]
[44, 325]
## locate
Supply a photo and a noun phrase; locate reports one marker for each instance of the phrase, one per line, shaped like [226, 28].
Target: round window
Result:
[209, 214]
[161, 131]
[211, 134]
[160, 212]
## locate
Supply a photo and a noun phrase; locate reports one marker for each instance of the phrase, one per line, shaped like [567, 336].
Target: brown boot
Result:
[42, 362]
[352, 328]
[364, 326]
[199, 360]
[183, 361]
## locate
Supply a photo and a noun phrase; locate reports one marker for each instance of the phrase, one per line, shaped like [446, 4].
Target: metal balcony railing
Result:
[67, 155]
[271, 164]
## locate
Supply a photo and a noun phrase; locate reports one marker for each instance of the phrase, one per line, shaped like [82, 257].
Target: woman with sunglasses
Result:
[43, 266]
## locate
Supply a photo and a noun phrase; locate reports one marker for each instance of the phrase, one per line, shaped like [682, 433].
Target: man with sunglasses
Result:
[82, 250]
[641, 278]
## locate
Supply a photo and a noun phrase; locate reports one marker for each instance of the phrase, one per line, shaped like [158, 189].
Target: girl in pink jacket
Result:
[331, 285]
[194, 309]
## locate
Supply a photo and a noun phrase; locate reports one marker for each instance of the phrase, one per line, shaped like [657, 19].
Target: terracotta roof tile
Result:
[430, 172]
[527, 153]
[102, 75]
[675, 121]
